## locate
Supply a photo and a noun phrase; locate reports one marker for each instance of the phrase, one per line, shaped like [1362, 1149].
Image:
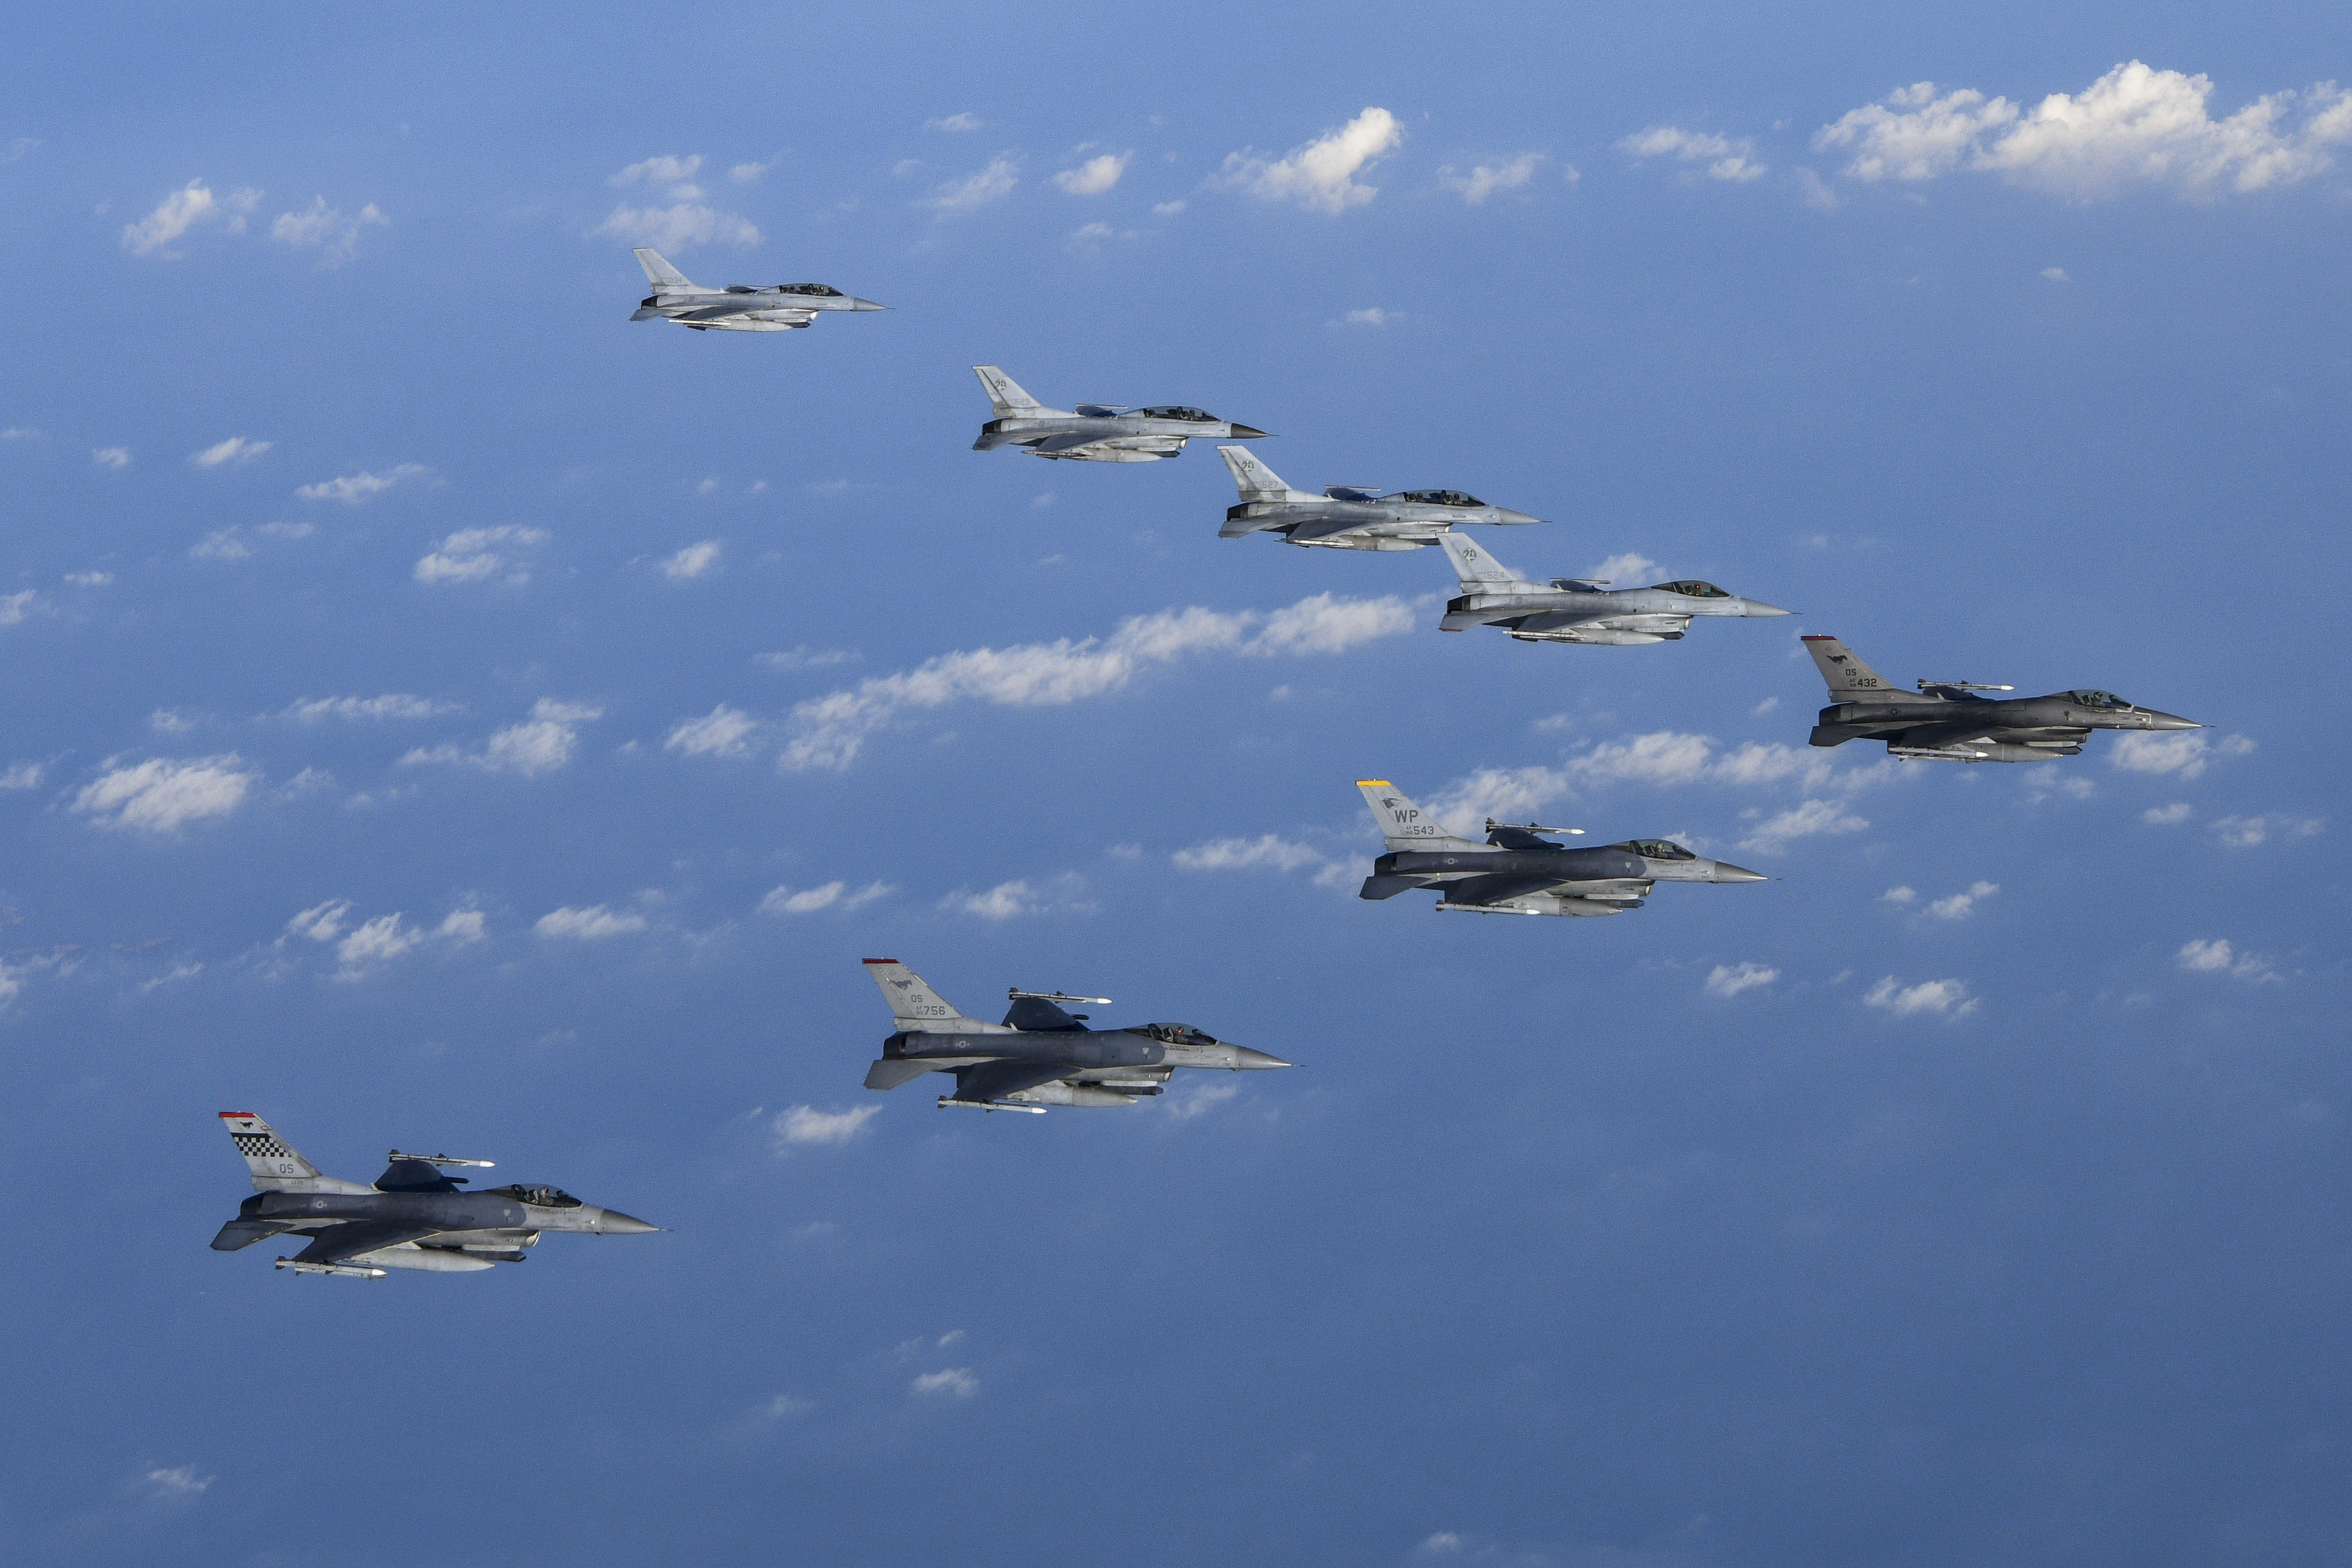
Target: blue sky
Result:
[443, 712]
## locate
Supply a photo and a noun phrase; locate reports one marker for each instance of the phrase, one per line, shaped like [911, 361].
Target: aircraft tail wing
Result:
[660, 273]
[1404, 824]
[1255, 481]
[1005, 393]
[276, 1165]
[911, 1002]
[1847, 676]
[1472, 565]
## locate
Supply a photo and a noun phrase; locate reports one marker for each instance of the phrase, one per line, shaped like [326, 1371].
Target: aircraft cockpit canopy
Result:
[824, 290]
[1178, 411]
[1439, 497]
[539, 1198]
[1691, 588]
[1178, 1035]
[1656, 850]
[2106, 699]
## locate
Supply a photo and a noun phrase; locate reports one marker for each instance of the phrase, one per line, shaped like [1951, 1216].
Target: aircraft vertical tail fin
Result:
[1255, 481]
[911, 1002]
[276, 1165]
[1005, 393]
[660, 273]
[1847, 676]
[1403, 825]
[1471, 564]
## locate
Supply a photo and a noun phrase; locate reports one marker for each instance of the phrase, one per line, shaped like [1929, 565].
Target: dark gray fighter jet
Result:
[1947, 721]
[1349, 517]
[1517, 872]
[738, 307]
[413, 1217]
[1573, 609]
[1094, 432]
[1040, 1055]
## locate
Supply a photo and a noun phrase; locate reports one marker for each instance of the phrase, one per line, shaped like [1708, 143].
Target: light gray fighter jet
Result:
[1517, 872]
[1574, 609]
[738, 307]
[1040, 1055]
[1094, 432]
[1947, 721]
[1349, 517]
[413, 1217]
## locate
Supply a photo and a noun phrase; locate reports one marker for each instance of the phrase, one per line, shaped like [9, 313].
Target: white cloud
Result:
[2056, 274]
[2134, 126]
[2218, 957]
[1620, 569]
[14, 605]
[178, 971]
[1944, 998]
[1727, 158]
[1442, 1544]
[466, 556]
[177, 1482]
[236, 449]
[829, 730]
[1730, 980]
[1816, 194]
[806, 1125]
[1002, 902]
[320, 922]
[1093, 176]
[966, 120]
[1370, 316]
[832, 895]
[1959, 906]
[167, 722]
[2165, 815]
[220, 545]
[1168, 209]
[1811, 819]
[1247, 855]
[974, 191]
[2245, 832]
[19, 148]
[91, 579]
[590, 924]
[1321, 175]
[677, 228]
[376, 941]
[354, 488]
[183, 210]
[162, 794]
[1185, 1104]
[1661, 757]
[691, 562]
[1485, 180]
[805, 657]
[391, 705]
[718, 733]
[336, 235]
[2181, 752]
[462, 926]
[1897, 896]
[540, 744]
[668, 169]
[957, 1381]
[746, 173]
[111, 457]
[21, 775]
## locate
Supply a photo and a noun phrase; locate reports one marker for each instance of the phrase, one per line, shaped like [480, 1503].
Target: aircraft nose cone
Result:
[867, 305]
[1506, 515]
[2170, 721]
[1758, 607]
[1724, 871]
[1247, 432]
[614, 1223]
[1246, 1059]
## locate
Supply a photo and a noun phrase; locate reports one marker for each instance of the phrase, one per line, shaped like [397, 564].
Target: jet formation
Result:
[1040, 1055]
[1349, 517]
[739, 307]
[1519, 870]
[413, 1217]
[1094, 432]
[1949, 721]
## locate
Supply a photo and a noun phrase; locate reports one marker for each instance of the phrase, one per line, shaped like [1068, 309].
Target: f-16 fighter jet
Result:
[738, 307]
[1947, 721]
[1040, 1055]
[1519, 871]
[1094, 432]
[1349, 517]
[413, 1217]
[1575, 609]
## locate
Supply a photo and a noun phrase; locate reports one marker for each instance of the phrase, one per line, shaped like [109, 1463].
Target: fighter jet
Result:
[738, 307]
[1577, 609]
[413, 1217]
[1519, 871]
[1349, 517]
[1947, 721]
[1094, 432]
[1040, 1055]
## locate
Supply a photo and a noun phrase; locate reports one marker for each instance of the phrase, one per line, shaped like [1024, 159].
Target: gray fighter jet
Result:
[1576, 609]
[1040, 1055]
[738, 307]
[413, 1217]
[1349, 517]
[1094, 432]
[1519, 871]
[1947, 721]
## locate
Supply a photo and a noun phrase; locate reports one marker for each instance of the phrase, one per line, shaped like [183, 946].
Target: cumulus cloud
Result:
[2184, 752]
[1811, 819]
[1002, 902]
[830, 896]
[391, 705]
[955, 1382]
[974, 191]
[746, 173]
[13, 606]
[1485, 180]
[718, 733]
[336, 235]
[1897, 896]
[667, 169]
[1369, 316]
[162, 795]
[1247, 855]
[1626, 568]
[178, 1482]
[1093, 176]
[806, 1125]
[2134, 126]
[320, 922]
[1942, 998]
[593, 924]
[110, 457]
[354, 488]
[471, 554]
[1199, 1100]
[688, 221]
[1731, 979]
[691, 562]
[2166, 816]
[2245, 832]
[967, 120]
[21, 775]
[540, 744]
[236, 449]
[1959, 906]
[190, 206]
[1725, 158]
[829, 730]
[1321, 175]
[2219, 957]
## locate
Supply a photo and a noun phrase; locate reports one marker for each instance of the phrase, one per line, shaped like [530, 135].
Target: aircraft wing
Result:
[766, 310]
[1067, 441]
[994, 1080]
[1501, 887]
[355, 1236]
[1325, 527]
[239, 1233]
[1597, 618]
[1951, 733]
